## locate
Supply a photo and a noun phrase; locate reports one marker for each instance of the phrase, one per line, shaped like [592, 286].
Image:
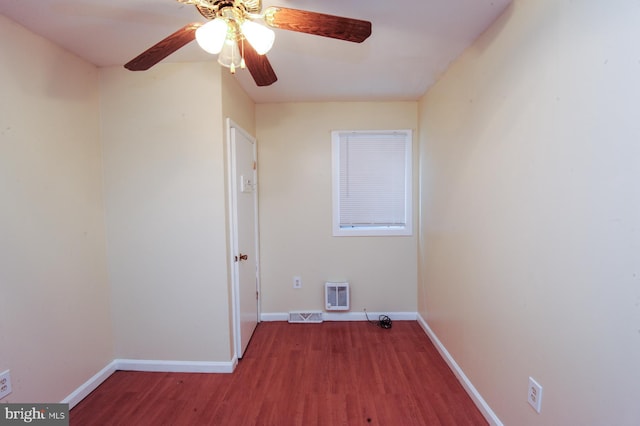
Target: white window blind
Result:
[372, 182]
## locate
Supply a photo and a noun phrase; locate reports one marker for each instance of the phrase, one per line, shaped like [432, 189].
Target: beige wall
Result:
[294, 180]
[164, 157]
[55, 326]
[530, 244]
[236, 104]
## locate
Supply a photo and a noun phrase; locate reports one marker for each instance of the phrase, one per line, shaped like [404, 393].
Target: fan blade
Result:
[163, 48]
[259, 66]
[320, 24]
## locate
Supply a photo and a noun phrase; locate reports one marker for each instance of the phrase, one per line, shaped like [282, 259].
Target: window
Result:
[371, 182]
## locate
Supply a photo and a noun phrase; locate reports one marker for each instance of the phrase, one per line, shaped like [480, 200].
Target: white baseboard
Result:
[90, 385]
[274, 316]
[345, 316]
[176, 366]
[482, 405]
[146, 365]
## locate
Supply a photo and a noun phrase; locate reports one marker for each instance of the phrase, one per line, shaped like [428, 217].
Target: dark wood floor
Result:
[335, 373]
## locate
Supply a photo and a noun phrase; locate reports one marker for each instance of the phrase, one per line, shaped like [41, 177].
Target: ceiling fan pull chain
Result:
[243, 64]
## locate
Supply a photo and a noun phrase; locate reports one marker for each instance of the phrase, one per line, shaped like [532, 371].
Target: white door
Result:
[244, 235]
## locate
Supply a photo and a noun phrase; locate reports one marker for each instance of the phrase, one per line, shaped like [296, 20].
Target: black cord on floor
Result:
[383, 321]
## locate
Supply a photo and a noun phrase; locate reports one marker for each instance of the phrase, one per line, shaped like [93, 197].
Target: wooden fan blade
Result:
[259, 66]
[320, 24]
[163, 48]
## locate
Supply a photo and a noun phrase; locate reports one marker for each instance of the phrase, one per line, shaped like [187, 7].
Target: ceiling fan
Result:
[234, 33]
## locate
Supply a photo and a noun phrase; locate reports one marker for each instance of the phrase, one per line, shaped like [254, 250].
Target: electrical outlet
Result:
[534, 395]
[297, 282]
[5, 384]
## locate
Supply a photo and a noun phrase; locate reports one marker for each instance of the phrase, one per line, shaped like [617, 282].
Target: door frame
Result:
[233, 237]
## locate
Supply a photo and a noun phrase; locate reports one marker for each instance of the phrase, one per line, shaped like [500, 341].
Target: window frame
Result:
[374, 230]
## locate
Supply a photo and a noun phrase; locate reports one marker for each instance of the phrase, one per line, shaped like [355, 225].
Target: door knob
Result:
[243, 257]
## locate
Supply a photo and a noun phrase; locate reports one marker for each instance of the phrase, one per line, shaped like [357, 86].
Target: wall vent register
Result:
[305, 316]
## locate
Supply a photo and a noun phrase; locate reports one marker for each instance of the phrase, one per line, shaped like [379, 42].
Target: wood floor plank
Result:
[334, 373]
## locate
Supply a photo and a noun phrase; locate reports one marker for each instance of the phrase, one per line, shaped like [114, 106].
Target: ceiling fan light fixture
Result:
[230, 56]
[212, 35]
[260, 37]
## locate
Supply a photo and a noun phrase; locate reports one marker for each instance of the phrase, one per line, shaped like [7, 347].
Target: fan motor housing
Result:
[214, 6]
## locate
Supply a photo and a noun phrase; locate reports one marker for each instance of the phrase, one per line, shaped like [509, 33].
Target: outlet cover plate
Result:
[5, 383]
[297, 282]
[534, 395]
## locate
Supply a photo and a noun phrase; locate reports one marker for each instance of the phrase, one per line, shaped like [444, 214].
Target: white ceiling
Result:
[412, 42]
